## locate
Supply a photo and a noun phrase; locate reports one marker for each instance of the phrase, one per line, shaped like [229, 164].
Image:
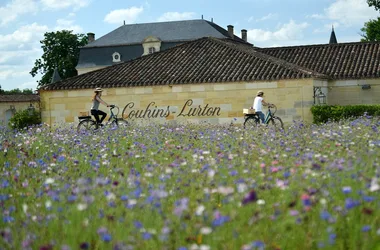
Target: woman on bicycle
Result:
[96, 100]
[258, 104]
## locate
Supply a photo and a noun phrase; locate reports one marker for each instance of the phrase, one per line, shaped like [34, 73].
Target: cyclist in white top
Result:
[258, 104]
[96, 100]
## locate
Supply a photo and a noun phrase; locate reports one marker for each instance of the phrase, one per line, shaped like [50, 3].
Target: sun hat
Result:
[98, 90]
[260, 92]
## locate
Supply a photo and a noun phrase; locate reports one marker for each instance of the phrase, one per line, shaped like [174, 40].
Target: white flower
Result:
[199, 210]
[82, 206]
[49, 181]
[260, 202]
[24, 208]
[48, 204]
[206, 230]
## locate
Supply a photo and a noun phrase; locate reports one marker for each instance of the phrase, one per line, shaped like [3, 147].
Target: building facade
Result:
[212, 80]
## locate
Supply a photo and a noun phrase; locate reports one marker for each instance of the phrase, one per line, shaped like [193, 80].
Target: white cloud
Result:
[350, 12]
[316, 16]
[327, 28]
[31, 33]
[64, 4]
[290, 31]
[176, 16]
[267, 17]
[66, 24]
[13, 9]
[128, 15]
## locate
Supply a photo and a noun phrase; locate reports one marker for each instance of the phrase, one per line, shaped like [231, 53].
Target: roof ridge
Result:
[319, 45]
[273, 59]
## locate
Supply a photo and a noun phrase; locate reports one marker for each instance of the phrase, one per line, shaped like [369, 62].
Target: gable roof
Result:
[172, 31]
[339, 61]
[200, 61]
[19, 98]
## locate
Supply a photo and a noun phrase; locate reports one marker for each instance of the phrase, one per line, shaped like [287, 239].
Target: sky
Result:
[268, 22]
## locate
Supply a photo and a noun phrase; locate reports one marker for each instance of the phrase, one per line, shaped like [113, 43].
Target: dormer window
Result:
[152, 50]
[116, 57]
[151, 44]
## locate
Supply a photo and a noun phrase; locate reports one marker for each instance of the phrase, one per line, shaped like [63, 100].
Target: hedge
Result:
[25, 118]
[325, 113]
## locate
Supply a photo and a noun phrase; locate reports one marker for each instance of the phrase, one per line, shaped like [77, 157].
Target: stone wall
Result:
[351, 92]
[213, 103]
[6, 109]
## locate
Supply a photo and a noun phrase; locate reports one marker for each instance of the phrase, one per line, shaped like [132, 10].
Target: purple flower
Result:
[258, 245]
[146, 236]
[106, 237]
[84, 245]
[250, 197]
[220, 220]
[325, 215]
[366, 228]
[332, 238]
[368, 198]
[350, 203]
[346, 190]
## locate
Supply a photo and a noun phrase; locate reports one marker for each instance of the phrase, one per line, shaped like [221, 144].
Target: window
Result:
[152, 50]
[116, 57]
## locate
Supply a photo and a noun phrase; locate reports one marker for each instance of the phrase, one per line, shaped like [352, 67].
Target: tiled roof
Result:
[339, 61]
[19, 98]
[172, 31]
[200, 61]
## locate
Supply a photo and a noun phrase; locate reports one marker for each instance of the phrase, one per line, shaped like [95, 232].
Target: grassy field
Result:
[192, 187]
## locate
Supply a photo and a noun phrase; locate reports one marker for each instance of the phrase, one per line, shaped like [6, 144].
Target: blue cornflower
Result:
[138, 224]
[346, 190]
[368, 198]
[332, 238]
[146, 236]
[350, 203]
[366, 228]
[220, 221]
[258, 244]
[106, 237]
[325, 215]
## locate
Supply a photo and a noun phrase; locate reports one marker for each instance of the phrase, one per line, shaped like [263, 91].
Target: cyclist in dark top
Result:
[96, 100]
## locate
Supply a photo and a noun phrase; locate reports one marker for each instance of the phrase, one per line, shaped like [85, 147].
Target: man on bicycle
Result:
[258, 104]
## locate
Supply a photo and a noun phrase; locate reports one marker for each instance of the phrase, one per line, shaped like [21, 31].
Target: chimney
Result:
[230, 31]
[91, 37]
[244, 34]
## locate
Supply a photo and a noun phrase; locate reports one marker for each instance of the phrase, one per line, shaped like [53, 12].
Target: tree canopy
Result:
[61, 51]
[15, 91]
[374, 3]
[371, 31]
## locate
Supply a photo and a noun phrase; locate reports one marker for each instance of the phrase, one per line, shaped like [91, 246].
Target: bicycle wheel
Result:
[251, 123]
[277, 123]
[86, 126]
[121, 123]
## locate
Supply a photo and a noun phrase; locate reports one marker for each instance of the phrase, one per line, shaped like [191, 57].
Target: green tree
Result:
[61, 51]
[16, 91]
[371, 31]
[374, 3]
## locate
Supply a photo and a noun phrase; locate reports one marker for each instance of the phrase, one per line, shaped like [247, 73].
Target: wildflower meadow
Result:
[188, 187]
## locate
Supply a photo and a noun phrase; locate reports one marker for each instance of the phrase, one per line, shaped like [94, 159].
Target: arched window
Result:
[116, 57]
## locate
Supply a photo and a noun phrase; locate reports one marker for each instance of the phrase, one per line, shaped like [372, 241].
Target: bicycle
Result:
[87, 123]
[253, 120]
